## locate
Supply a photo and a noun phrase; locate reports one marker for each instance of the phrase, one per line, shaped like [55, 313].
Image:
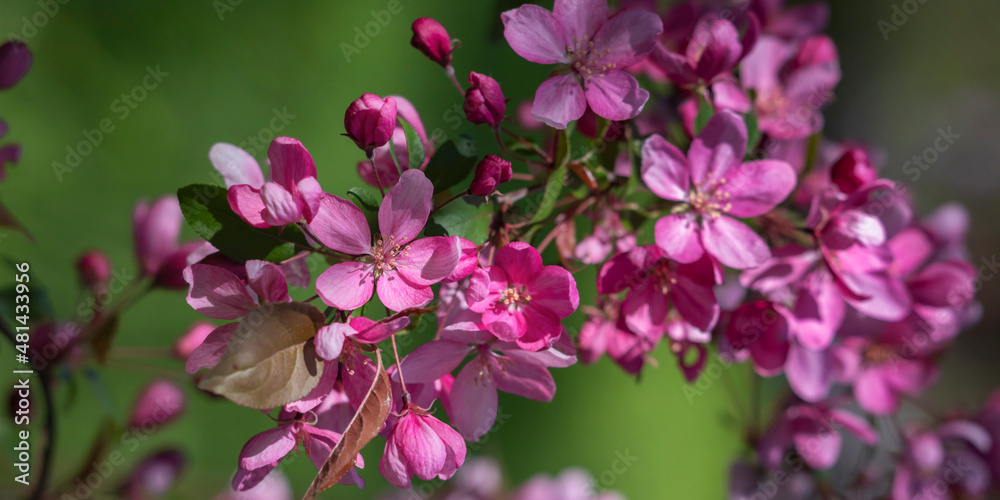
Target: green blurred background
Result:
[228, 73]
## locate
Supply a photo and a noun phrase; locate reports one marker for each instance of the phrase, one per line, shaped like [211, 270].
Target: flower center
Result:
[771, 102]
[587, 61]
[878, 354]
[663, 275]
[385, 252]
[711, 200]
[513, 297]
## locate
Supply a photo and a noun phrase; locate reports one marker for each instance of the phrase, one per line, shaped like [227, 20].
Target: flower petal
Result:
[209, 352]
[267, 448]
[429, 260]
[290, 162]
[665, 169]
[433, 360]
[406, 206]
[217, 292]
[245, 200]
[719, 147]
[580, 19]
[473, 402]
[341, 226]
[347, 285]
[627, 37]
[733, 243]
[558, 101]
[267, 281]
[520, 261]
[329, 340]
[524, 379]
[555, 289]
[398, 294]
[535, 35]
[679, 236]
[755, 188]
[615, 95]
[235, 165]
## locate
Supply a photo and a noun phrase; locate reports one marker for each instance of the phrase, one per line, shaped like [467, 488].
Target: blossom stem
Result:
[538, 151]
[453, 198]
[378, 181]
[450, 71]
[503, 147]
[399, 369]
[522, 177]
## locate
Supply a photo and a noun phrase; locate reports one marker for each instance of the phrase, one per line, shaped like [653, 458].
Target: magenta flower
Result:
[158, 404]
[715, 48]
[420, 445]
[606, 332]
[484, 101]
[432, 39]
[154, 477]
[15, 60]
[291, 196]
[525, 300]
[715, 186]
[94, 269]
[883, 369]
[370, 120]
[273, 487]
[792, 84]
[156, 228]
[261, 454]
[490, 173]
[594, 47]
[496, 366]
[946, 462]
[654, 283]
[403, 267]
[192, 338]
[814, 431]
[385, 163]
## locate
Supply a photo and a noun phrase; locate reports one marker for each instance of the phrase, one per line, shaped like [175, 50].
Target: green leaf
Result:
[451, 164]
[269, 361]
[704, 115]
[368, 202]
[462, 218]
[753, 133]
[414, 146]
[207, 212]
[553, 188]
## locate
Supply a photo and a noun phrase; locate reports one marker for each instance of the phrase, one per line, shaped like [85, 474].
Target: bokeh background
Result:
[232, 65]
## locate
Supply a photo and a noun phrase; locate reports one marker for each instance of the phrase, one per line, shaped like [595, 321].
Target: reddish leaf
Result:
[365, 425]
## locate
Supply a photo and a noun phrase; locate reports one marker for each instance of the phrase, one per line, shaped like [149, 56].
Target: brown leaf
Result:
[365, 425]
[266, 363]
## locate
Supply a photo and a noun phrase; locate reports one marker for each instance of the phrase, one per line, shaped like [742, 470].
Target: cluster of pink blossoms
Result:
[717, 217]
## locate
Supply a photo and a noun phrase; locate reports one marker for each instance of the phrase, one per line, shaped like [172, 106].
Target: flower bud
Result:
[431, 38]
[159, 403]
[15, 60]
[192, 338]
[94, 269]
[421, 445]
[154, 477]
[490, 173]
[484, 102]
[370, 121]
[852, 171]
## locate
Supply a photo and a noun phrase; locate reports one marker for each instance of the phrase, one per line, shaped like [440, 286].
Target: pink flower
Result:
[273, 487]
[261, 454]
[369, 121]
[94, 269]
[571, 484]
[852, 171]
[385, 163]
[813, 429]
[484, 101]
[490, 173]
[792, 84]
[154, 477]
[432, 39]
[496, 366]
[15, 60]
[192, 338]
[155, 228]
[715, 186]
[655, 283]
[420, 445]
[291, 196]
[404, 268]
[525, 300]
[595, 48]
[714, 49]
[159, 403]
[885, 368]
[946, 462]
[606, 332]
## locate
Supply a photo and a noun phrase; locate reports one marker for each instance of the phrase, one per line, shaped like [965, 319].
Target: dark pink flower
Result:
[432, 39]
[370, 120]
[594, 46]
[715, 186]
[15, 60]
[291, 196]
[885, 368]
[403, 267]
[656, 282]
[94, 269]
[154, 477]
[490, 173]
[606, 332]
[715, 47]
[852, 171]
[192, 338]
[156, 228]
[385, 163]
[946, 462]
[484, 101]
[814, 431]
[420, 445]
[158, 403]
[525, 300]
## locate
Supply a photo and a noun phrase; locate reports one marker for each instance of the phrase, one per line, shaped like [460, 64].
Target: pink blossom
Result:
[420, 445]
[403, 267]
[715, 48]
[814, 431]
[15, 60]
[883, 369]
[158, 404]
[950, 456]
[484, 101]
[715, 186]
[94, 269]
[385, 163]
[156, 228]
[192, 338]
[656, 282]
[154, 477]
[594, 47]
[370, 120]
[570, 484]
[490, 173]
[273, 487]
[606, 332]
[292, 194]
[432, 39]
[496, 366]
[525, 300]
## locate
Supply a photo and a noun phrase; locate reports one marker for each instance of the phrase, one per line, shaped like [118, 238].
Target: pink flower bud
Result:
[484, 101]
[154, 477]
[816, 51]
[193, 338]
[490, 173]
[159, 403]
[852, 171]
[431, 38]
[15, 59]
[370, 121]
[94, 269]
[423, 445]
